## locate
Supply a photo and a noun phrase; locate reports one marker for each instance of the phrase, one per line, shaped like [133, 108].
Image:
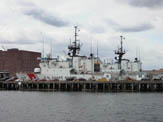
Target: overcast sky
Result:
[24, 24]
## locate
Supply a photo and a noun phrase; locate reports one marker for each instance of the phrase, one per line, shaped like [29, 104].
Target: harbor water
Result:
[29, 106]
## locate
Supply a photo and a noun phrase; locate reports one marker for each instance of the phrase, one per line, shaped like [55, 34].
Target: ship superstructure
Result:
[121, 64]
[76, 67]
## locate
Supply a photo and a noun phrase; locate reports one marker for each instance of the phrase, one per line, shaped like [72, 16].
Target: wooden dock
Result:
[117, 86]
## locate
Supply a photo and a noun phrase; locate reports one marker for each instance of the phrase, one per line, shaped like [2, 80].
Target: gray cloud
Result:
[19, 41]
[25, 3]
[46, 17]
[136, 28]
[146, 3]
[97, 29]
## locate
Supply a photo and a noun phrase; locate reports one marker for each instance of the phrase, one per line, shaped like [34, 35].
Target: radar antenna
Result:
[120, 52]
[74, 47]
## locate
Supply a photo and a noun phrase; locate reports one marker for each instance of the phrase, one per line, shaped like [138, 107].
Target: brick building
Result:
[14, 60]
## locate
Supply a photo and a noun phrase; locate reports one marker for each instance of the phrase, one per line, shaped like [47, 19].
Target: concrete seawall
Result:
[117, 86]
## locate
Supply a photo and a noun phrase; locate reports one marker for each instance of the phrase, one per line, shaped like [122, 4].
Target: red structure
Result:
[14, 60]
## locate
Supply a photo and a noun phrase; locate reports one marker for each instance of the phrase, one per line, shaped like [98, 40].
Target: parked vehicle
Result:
[157, 77]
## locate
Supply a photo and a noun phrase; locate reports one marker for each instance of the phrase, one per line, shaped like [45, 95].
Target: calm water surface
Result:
[16, 106]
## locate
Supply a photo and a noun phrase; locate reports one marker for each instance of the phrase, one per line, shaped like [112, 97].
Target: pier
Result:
[92, 86]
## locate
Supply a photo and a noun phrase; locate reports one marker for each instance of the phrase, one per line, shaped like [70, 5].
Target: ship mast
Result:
[74, 47]
[120, 52]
